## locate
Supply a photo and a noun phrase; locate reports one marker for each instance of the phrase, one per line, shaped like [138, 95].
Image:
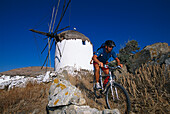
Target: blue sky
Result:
[146, 21]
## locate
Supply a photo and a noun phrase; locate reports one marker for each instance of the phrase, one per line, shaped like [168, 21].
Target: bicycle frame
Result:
[113, 91]
[111, 81]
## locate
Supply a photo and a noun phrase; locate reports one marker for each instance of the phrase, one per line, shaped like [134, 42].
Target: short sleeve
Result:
[98, 53]
[114, 55]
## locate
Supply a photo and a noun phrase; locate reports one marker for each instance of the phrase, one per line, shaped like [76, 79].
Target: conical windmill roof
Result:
[71, 34]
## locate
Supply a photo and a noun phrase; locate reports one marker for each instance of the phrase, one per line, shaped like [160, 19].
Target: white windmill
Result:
[76, 50]
[72, 47]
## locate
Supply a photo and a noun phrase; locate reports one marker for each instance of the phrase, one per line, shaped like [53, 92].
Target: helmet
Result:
[110, 43]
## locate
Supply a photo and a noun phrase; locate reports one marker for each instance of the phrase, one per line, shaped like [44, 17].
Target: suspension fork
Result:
[111, 83]
[116, 93]
[111, 87]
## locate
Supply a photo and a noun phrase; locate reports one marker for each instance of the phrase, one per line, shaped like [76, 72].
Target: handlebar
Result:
[111, 68]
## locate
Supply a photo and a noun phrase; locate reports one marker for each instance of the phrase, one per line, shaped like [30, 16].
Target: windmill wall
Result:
[76, 52]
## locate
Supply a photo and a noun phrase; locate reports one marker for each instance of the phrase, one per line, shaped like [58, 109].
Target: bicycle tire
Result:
[123, 104]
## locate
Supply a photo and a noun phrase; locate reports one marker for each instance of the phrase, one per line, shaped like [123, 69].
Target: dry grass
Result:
[33, 98]
[149, 89]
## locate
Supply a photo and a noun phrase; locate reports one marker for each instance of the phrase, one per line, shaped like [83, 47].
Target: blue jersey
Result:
[103, 56]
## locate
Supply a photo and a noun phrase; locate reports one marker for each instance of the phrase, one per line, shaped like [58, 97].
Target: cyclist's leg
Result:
[97, 69]
[97, 90]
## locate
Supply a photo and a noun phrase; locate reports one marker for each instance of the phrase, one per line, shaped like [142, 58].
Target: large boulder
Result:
[158, 49]
[155, 53]
[63, 93]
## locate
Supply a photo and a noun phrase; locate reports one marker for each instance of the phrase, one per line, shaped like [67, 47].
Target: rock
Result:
[47, 77]
[69, 70]
[65, 74]
[74, 109]
[155, 54]
[167, 62]
[63, 93]
[158, 48]
[9, 82]
[83, 109]
[107, 111]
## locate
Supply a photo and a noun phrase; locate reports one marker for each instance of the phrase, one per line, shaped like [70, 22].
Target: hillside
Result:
[148, 88]
[27, 71]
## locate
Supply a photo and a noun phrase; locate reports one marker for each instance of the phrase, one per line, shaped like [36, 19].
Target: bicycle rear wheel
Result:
[122, 102]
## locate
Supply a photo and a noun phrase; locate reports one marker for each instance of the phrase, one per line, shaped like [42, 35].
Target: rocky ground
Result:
[148, 90]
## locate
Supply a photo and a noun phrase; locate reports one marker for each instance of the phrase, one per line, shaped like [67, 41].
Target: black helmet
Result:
[110, 43]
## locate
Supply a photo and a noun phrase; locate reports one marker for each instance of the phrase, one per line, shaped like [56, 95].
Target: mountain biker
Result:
[101, 57]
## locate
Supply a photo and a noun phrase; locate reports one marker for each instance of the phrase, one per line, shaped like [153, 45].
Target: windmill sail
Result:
[53, 36]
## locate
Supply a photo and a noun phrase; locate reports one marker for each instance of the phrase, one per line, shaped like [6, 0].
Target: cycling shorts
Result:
[94, 63]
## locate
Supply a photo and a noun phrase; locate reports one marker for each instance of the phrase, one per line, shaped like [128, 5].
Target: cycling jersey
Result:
[103, 56]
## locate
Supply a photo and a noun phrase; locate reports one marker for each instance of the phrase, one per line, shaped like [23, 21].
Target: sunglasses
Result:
[110, 46]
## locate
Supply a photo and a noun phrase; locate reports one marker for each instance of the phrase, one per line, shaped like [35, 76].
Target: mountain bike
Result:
[115, 95]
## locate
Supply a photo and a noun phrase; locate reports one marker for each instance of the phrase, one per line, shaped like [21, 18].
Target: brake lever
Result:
[119, 67]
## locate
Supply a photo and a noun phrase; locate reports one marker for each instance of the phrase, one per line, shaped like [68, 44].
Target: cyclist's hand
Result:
[107, 62]
[121, 65]
[100, 64]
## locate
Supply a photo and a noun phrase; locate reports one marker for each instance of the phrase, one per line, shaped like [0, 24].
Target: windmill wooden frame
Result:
[53, 36]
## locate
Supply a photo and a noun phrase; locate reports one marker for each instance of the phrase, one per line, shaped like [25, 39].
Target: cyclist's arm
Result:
[118, 62]
[97, 61]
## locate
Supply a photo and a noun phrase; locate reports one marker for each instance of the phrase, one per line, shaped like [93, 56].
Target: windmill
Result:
[53, 36]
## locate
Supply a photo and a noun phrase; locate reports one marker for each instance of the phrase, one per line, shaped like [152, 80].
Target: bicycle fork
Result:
[111, 87]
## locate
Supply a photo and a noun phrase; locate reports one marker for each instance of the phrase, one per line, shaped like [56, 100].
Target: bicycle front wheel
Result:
[118, 98]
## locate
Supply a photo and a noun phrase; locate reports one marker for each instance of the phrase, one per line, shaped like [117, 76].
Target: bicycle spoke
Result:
[120, 102]
[111, 89]
[116, 93]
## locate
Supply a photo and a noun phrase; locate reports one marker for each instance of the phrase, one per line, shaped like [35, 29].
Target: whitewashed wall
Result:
[74, 53]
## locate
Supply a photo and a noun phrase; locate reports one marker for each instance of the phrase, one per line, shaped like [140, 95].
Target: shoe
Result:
[98, 86]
